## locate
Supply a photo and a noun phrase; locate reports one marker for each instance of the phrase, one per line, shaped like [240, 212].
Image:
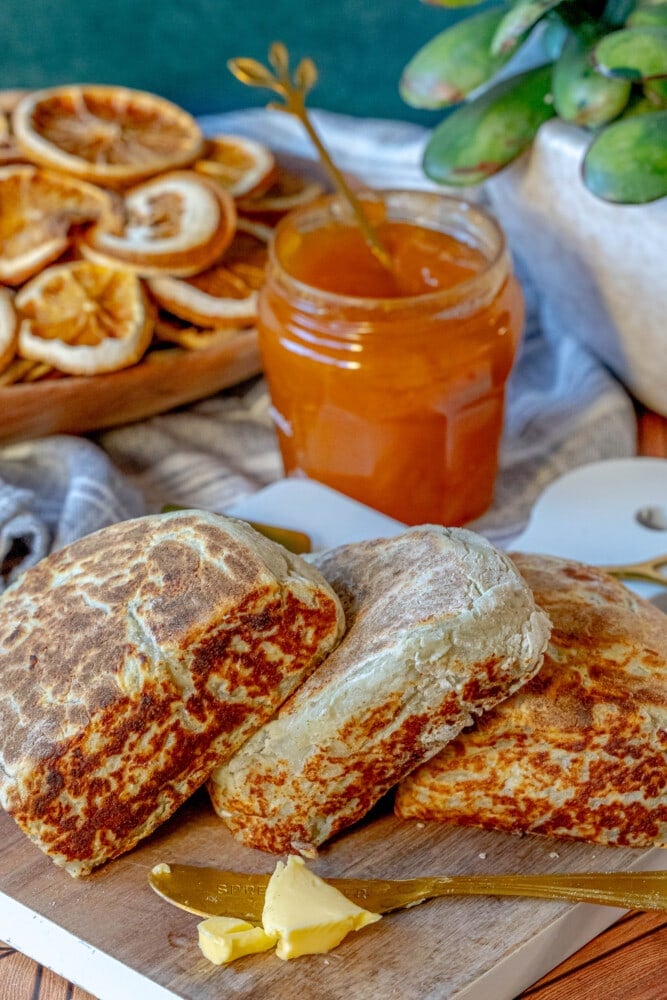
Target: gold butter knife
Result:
[291, 539]
[212, 892]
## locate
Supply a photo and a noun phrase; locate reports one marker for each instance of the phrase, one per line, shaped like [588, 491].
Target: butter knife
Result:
[212, 892]
[291, 539]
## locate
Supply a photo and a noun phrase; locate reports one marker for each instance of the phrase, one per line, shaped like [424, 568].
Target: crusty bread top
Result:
[429, 575]
[396, 591]
[439, 625]
[137, 658]
[581, 750]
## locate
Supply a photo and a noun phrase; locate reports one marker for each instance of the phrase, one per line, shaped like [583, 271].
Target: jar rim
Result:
[484, 283]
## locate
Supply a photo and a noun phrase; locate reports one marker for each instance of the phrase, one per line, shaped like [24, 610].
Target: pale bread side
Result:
[135, 660]
[440, 626]
[581, 750]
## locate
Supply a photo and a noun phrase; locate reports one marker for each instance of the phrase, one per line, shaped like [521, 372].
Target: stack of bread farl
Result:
[139, 660]
[175, 650]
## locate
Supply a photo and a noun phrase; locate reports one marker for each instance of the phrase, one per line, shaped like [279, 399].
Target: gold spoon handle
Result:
[293, 88]
[631, 890]
[652, 570]
[372, 239]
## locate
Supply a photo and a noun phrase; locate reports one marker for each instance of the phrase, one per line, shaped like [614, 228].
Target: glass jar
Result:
[395, 399]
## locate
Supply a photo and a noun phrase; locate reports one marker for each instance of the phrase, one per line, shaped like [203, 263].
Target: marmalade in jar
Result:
[389, 386]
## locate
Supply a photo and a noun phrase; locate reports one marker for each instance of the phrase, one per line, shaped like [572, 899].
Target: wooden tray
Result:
[163, 380]
[112, 935]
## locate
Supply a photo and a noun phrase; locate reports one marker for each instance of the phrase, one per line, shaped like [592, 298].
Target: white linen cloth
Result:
[564, 408]
[53, 491]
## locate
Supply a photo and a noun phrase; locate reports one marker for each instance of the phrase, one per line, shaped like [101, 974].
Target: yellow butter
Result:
[307, 915]
[224, 939]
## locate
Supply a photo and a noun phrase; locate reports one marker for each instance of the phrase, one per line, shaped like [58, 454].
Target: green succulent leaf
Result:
[483, 136]
[553, 37]
[633, 53]
[651, 16]
[581, 94]
[627, 162]
[453, 64]
[639, 105]
[513, 28]
[655, 91]
[616, 12]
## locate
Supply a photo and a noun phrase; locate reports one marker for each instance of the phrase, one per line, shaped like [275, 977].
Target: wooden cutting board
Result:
[112, 935]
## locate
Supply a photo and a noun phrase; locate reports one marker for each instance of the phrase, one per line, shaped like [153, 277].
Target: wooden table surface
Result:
[626, 962]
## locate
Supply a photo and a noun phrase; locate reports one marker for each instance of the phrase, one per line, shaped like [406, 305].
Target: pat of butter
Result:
[224, 939]
[307, 915]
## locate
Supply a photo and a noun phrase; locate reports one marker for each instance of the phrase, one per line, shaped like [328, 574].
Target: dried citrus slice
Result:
[9, 150]
[290, 190]
[9, 99]
[242, 166]
[173, 330]
[110, 135]
[178, 223]
[84, 319]
[38, 209]
[8, 330]
[225, 294]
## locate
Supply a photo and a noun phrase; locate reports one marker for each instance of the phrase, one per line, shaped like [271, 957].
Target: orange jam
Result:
[389, 385]
[337, 259]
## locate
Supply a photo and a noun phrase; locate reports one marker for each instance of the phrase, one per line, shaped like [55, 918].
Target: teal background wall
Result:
[179, 48]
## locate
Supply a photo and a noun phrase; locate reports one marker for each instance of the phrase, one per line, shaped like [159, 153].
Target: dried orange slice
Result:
[84, 319]
[9, 150]
[38, 209]
[9, 99]
[290, 190]
[178, 223]
[8, 330]
[242, 166]
[225, 294]
[173, 330]
[110, 135]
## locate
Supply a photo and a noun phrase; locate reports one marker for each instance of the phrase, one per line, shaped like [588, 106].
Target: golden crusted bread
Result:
[135, 660]
[440, 626]
[581, 750]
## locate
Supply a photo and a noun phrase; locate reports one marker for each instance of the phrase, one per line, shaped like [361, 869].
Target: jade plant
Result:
[602, 65]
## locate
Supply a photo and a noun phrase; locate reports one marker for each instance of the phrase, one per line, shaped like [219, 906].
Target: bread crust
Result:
[440, 626]
[134, 661]
[581, 751]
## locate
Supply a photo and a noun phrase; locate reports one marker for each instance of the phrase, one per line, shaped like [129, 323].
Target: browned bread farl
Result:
[581, 750]
[135, 660]
[440, 626]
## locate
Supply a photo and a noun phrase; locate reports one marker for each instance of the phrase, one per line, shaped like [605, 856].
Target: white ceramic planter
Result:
[601, 269]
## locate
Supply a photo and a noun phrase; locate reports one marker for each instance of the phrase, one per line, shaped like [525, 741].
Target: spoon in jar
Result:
[293, 90]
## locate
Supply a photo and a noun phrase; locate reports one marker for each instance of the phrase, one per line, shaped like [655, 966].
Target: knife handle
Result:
[630, 890]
